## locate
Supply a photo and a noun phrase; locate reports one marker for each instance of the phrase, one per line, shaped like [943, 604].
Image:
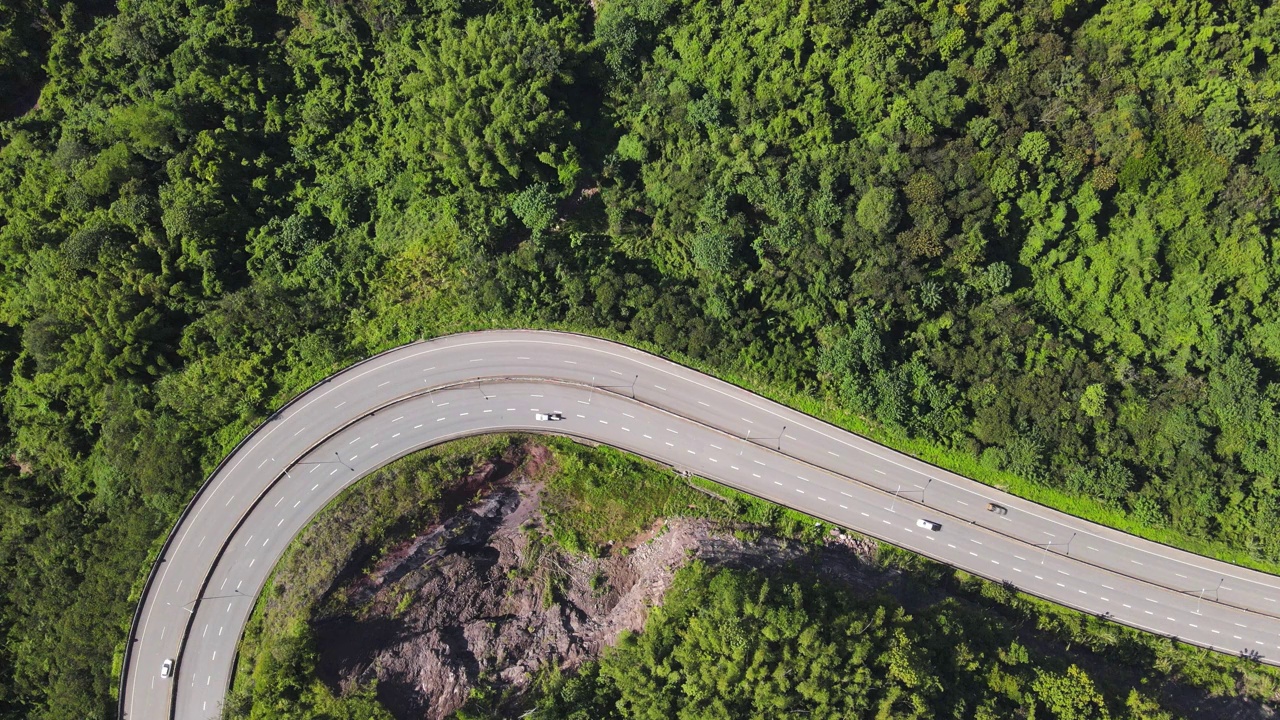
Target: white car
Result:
[929, 525]
[546, 417]
[166, 669]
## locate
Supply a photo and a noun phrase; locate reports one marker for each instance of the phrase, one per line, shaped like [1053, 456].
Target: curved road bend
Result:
[422, 394]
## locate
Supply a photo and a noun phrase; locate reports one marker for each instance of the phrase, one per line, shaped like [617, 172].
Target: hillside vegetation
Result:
[1032, 240]
[733, 644]
[760, 613]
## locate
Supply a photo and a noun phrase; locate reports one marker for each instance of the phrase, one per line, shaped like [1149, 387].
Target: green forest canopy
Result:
[1039, 234]
[736, 644]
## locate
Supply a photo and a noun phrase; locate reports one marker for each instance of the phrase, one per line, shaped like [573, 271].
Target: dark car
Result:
[997, 509]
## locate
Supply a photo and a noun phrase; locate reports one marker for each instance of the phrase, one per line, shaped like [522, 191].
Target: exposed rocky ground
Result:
[485, 595]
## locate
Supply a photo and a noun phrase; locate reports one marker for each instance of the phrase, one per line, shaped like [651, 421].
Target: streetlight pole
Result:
[342, 462]
[894, 502]
[1073, 537]
[1215, 594]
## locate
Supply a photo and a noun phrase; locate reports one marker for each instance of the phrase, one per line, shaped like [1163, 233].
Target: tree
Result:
[877, 210]
[1033, 148]
[1071, 695]
[535, 206]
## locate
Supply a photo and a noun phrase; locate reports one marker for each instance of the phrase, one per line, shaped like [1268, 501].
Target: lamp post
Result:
[341, 462]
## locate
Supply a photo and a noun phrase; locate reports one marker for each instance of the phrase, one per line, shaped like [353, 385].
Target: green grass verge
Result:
[595, 497]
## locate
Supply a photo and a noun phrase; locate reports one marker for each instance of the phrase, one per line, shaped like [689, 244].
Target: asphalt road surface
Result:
[218, 557]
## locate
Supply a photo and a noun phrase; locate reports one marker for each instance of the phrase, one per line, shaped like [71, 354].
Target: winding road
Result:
[203, 587]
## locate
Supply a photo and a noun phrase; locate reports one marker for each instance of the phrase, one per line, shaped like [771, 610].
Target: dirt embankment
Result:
[485, 595]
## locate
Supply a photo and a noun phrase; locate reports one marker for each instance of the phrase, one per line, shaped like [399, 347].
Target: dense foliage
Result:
[1035, 232]
[732, 644]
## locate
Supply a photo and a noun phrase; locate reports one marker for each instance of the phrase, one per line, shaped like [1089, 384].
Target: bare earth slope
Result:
[483, 596]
